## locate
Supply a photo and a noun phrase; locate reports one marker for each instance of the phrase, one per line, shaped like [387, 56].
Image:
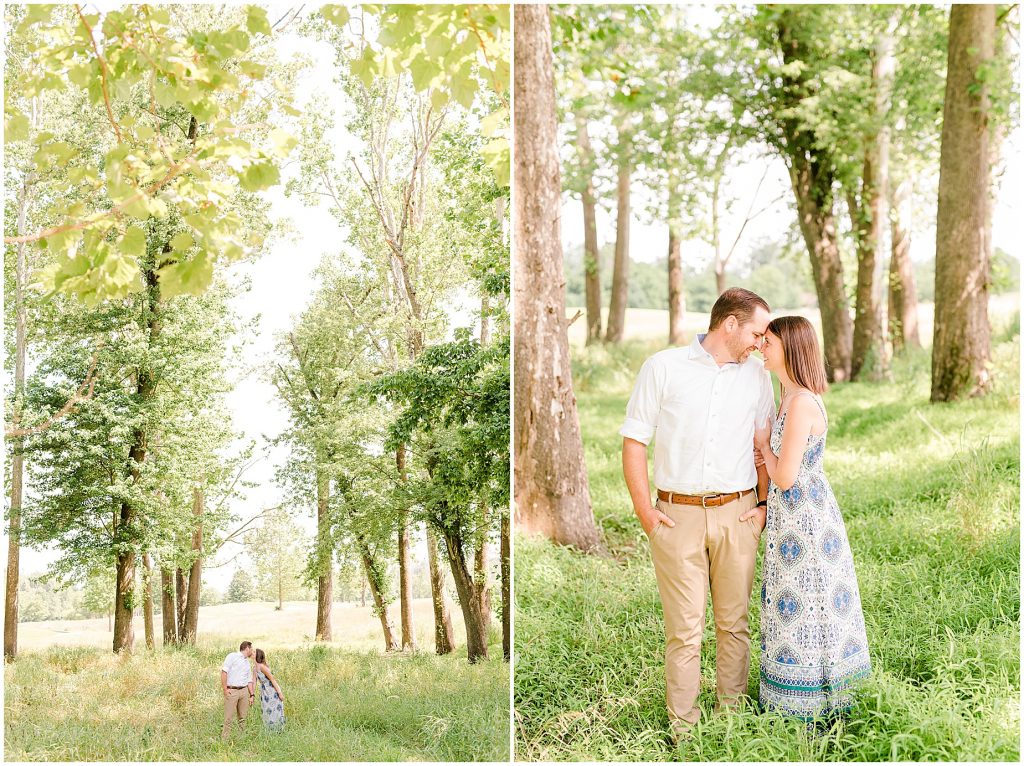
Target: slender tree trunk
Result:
[469, 598]
[812, 176]
[676, 293]
[375, 581]
[125, 533]
[362, 593]
[181, 602]
[961, 347]
[480, 576]
[591, 249]
[444, 634]
[167, 613]
[716, 228]
[325, 582]
[195, 577]
[552, 495]
[903, 327]
[869, 358]
[506, 587]
[620, 273]
[147, 600]
[404, 565]
[17, 443]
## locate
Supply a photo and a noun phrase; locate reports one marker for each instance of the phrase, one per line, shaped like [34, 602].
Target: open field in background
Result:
[355, 627]
[345, 700]
[930, 495]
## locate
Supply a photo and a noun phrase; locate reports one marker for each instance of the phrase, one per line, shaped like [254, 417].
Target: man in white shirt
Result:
[237, 682]
[702, 401]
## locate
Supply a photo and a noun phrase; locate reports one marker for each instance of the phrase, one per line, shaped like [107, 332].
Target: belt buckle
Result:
[704, 501]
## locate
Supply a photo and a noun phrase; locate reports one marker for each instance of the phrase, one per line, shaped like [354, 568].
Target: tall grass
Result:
[85, 704]
[930, 495]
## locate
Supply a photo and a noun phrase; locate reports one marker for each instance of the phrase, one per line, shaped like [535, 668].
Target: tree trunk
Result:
[167, 614]
[444, 634]
[676, 293]
[620, 273]
[375, 581]
[506, 587]
[362, 593]
[591, 249]
[903, 328]
[147, 600]
[869, 358]
[716, 226]
[125, 533]
[17, 443]
[404, 566]
[325, 581]
[195, 577]
[469, 598]
[552, 495]
[124, 633]
[480, 574]
[961, 345]
[181, 602]
[812, 176]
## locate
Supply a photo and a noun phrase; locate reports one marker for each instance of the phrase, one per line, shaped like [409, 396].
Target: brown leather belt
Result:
[705, 501]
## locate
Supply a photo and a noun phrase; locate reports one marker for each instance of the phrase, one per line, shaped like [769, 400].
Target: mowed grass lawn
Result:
[343, 702]
[930, 496]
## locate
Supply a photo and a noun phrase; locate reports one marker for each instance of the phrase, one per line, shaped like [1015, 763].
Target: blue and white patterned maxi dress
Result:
[271, 704]
[813, 642]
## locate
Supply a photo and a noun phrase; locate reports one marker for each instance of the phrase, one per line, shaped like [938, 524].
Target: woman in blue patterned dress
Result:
[271, 698]
[813, 642]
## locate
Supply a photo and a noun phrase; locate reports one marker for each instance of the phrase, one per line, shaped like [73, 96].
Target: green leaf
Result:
[182, 241]
[283, 142]
[497, 157]
[15, 127]
[256, 21]
[190, 277]
[133, 242]
[259, 175]
[336, 14]
[464, 86]
[438, 98]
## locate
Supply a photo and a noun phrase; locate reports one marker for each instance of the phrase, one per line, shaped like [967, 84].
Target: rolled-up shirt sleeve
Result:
[644, 405]
[766, 401]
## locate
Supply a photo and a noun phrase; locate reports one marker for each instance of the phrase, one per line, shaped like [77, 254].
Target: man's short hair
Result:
[244, 645]
[736, 302]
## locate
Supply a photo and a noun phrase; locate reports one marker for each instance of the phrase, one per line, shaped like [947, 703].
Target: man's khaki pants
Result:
[706, 547]
[236, 703]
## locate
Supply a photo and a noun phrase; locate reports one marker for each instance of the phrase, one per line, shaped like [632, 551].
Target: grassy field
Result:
[354, 627]
[930, 495]
[345, 701]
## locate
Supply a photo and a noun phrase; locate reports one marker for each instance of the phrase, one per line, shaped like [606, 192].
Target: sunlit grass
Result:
[85, 703]
[930, 495]
[89, 705]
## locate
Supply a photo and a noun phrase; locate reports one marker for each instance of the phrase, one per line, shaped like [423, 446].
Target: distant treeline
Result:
[781, 274]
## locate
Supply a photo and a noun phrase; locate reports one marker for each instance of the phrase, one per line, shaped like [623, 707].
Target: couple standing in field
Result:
[728, 467]
[237, 683]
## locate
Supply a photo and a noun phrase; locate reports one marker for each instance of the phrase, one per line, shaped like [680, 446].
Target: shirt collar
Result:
[700, 354]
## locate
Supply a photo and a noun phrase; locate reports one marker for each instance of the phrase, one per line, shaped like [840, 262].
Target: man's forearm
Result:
[634, 469]
[762, 483]
[224, 681]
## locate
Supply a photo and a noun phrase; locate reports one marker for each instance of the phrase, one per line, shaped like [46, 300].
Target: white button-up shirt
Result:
[237, 667]
[703, 416]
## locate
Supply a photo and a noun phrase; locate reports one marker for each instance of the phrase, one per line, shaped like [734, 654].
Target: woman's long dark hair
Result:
[804, 362]
[261, 658]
